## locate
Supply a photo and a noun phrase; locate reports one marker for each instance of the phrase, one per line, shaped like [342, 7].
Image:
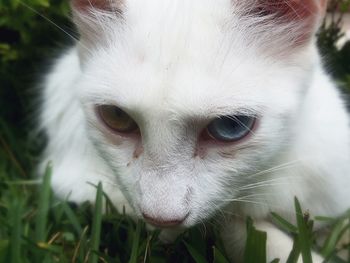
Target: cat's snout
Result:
[161, 222]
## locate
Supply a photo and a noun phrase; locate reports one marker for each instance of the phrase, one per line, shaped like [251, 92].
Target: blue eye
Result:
[230, 128]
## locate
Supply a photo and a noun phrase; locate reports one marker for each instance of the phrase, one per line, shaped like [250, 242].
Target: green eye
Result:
[230, 128]
[117, 119]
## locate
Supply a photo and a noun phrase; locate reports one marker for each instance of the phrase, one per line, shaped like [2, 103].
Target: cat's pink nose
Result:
[160, 222]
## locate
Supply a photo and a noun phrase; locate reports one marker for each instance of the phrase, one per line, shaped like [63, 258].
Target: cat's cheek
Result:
[133, 141]
[119, 140]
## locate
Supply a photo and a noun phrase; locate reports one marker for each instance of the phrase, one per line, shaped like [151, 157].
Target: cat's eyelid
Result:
[240, 112]
[211, 112]
[113, 100]
[95, 103]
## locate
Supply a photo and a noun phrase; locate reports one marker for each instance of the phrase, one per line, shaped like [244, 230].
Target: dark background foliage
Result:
[28, 44]
[336, 59]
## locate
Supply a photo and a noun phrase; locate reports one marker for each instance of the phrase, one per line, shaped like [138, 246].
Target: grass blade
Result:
[304, 234]
[4, 244]
[255, 249]
[219, 257]
[72, 218]
[43, 209]
[295, 253]
[96, 226]
[331, 242]
[195, 254]
[284, 224]
[16, 231]
[349, 241]
[80, 249]
[135, 244]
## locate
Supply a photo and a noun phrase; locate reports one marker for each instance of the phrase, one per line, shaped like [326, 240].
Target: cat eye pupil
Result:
[230, 128]
[116, 119]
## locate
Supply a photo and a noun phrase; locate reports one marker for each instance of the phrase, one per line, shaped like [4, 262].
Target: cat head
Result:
[186, 101]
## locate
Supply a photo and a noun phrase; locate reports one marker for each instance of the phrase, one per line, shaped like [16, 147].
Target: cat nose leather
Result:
[160, 222]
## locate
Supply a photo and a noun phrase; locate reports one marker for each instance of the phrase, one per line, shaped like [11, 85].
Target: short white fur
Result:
[174, 66]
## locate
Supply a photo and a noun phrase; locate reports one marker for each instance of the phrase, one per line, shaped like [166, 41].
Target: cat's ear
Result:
[95, 18]
[289, 10]
[92, 5]
[291, 23]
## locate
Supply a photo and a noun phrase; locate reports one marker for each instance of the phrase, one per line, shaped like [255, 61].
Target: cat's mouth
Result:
[160, 222]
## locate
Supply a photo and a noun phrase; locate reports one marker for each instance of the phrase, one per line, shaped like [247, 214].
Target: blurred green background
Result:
[29, 42]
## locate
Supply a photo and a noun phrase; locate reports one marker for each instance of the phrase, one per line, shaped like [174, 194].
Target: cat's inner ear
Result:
[102, 5]
[95, 19]
[290, 10]
[289, 22]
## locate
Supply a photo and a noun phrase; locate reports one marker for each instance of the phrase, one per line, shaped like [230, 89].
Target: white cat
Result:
[187, 110]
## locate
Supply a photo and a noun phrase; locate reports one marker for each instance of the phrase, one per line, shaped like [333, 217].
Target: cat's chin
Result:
[168, 235]
[188, 222]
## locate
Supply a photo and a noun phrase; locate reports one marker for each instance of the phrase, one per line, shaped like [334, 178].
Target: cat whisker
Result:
[266, 183]
[54, 24]
[218, 208]
[294, 10]
[269, 206]
[250, 195]
[276, 168]
[242, 124]
[98, 14]
[232, 214]
[108, 179]
[280, 208]
[203, 229]
[249, 201]
[259, 186]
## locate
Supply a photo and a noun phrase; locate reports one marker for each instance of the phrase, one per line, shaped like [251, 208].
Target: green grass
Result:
[34, 227]
[38, 228]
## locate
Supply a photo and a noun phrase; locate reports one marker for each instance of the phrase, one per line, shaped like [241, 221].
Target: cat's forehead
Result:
[188, 88]
[173, 31]
[180, 59]
[175, 13]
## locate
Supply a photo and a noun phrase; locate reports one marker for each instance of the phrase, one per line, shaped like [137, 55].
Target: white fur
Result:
[174, 66]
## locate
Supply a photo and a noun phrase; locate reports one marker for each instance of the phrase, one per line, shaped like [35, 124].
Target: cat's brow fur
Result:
[174, 66]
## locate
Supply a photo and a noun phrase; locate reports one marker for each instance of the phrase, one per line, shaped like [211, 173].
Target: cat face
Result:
[187, 100]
